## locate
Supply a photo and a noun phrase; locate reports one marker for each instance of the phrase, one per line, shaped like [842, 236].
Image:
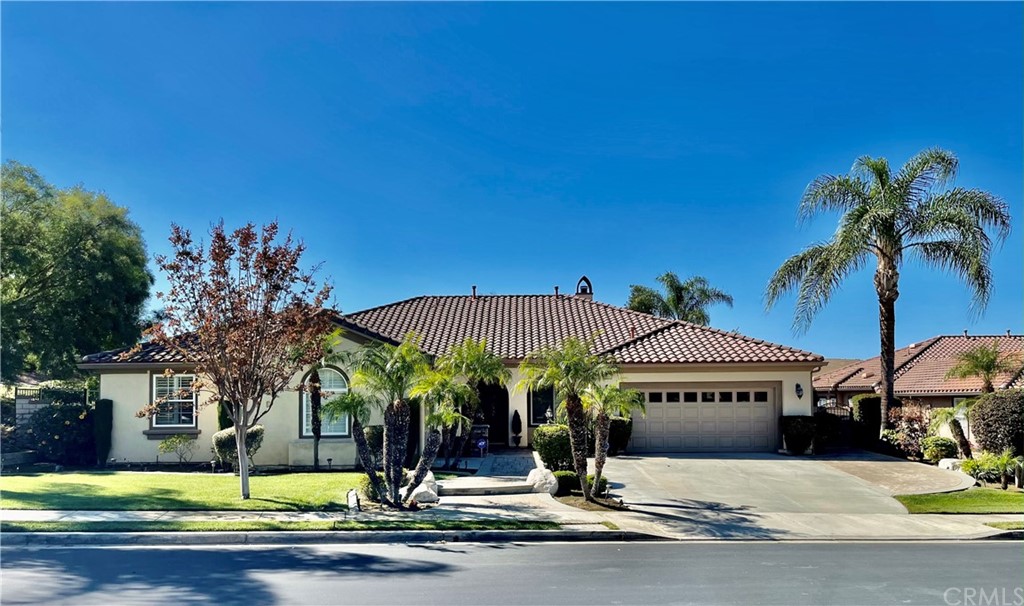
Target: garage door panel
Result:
[721, 425]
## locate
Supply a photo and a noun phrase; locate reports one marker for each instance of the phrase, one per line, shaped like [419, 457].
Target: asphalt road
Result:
[954, 574]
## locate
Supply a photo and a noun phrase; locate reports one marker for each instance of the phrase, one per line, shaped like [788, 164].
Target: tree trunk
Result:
[241, 450]
[430, 448]
[315, 396]
[887, 287]
[1004, 479]
[446, 446]
[578, 441]
[601, 429]
[396, 438]
[366, 458]
[460, 445]
[961, 439]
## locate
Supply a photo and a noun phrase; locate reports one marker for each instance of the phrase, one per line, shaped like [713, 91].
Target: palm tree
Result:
[387, 373]
[571, 370]
[687, 301]
[984, 362]
[471, 361]
[888, 216]
[603, 403]
[950, 416]
[357, 406]
[445, 397]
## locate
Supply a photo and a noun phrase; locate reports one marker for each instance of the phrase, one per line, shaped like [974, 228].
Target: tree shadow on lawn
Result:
[76, 496]
[219, 575]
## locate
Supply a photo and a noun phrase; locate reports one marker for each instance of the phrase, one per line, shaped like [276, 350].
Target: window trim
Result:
[302, 409]
[154, 425]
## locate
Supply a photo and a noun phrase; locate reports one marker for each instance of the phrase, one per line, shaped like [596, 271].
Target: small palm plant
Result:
[984, 362]
[602, 403]
[444, 398]
[950, 416]
[571, 370]
[358, 408]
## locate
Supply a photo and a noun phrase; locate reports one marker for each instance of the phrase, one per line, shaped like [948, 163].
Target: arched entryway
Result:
[494, 405]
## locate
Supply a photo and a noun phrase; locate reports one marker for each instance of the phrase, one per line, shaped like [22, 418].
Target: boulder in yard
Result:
[543, 480]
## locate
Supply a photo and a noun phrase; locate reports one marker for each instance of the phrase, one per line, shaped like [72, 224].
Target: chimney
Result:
[632, 332]
[556, 290]
[584, 289]
[474, 292]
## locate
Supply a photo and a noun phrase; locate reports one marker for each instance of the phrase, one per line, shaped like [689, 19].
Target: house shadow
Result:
[217, 575]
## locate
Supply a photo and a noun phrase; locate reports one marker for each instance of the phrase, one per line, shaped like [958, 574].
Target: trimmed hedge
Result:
[619, 433]
[798, 432]
[997, 421]
[936, 448]
[227, 452]
[552, 444]
[224, 416]
[102, 429]
[569, 482]
[867, 418]
[62, 433]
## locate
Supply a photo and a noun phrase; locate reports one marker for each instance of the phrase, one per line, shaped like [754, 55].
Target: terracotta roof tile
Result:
[922, 369]
[516, 325]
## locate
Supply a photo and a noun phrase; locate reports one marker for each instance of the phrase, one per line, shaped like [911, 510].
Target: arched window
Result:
[332, 383]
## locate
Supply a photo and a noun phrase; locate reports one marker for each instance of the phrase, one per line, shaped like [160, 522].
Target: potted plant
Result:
[517, 428]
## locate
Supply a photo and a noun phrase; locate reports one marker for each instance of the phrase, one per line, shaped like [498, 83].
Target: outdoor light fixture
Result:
[329, 461]
[549, 415]
[799, 390]
[213, 466]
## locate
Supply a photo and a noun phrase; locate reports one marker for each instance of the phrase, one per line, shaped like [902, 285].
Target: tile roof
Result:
[148, 353]
[921, 368]
[516, 325]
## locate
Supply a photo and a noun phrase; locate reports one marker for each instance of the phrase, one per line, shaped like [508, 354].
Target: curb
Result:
[69, 539]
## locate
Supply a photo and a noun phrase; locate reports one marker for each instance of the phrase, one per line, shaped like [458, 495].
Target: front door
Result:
[494, 405]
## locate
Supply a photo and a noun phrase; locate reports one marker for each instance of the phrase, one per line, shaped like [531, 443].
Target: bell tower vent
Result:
[584, 289]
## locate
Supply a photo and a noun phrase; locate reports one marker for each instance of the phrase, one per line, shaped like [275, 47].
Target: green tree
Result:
[471, 361]
[888, 216]
[571, 370]
[688, 301]
[950, 416]
[358, 407]
[444, 398]
[603, 403]
[74, 276]
[984, 362]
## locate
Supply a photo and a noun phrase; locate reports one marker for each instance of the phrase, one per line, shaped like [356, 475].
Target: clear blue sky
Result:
[423, 148]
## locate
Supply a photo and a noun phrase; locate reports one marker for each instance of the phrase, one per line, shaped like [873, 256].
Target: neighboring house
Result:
[706, 389]
[920, 371]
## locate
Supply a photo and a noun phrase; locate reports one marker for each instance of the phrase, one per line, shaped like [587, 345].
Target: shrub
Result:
[62, 433]
[552, 444]
[375, 440]
[224, 444]
[619, 433]
[827, 430]
[867, 418]
[984, 467]
[8, 412]
[366, 487]
[798, 432]
[182, 445]
[909, 426]
[997, 421]
[569, 482]
[224, 416]
[102, 428]
[936, 448]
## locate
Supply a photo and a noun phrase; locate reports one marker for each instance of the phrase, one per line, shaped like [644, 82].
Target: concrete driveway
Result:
[766, 495]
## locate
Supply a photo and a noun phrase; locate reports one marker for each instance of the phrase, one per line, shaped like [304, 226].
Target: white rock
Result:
[953, 464]
[543, 480]
[428, 480]
[422, 494]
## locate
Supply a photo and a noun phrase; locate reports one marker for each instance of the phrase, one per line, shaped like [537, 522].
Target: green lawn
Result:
[346, 525]
[134, 490]
[974, 500]
[1007, 525]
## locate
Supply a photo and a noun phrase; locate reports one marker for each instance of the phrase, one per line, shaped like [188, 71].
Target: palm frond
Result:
[832, 193]
[920, 175]
[646, 300]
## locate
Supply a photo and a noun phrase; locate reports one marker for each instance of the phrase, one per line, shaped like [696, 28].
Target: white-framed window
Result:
[332, 383]
[176, 401]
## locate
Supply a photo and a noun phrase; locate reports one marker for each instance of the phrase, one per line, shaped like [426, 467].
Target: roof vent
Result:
[584, 289]
[965, 332]
[1008, 332]
[556, 290]
[474, 292]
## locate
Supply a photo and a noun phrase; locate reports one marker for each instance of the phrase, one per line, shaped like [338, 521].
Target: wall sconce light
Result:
[549, 415]
[799, 390]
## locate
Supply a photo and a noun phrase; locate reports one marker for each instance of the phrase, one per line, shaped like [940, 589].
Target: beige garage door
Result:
[697, 419]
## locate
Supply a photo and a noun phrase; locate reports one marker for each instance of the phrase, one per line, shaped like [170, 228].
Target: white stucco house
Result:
[706, 390]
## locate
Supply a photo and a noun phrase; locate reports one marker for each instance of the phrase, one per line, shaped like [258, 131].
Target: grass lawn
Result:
[135, 490]
[345, 525]
[974, 500]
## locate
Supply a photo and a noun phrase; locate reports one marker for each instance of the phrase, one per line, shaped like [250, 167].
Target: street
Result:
[954, 573]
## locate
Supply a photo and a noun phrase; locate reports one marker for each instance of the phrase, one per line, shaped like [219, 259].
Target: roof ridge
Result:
[909, 363]
[744, 337]
[637, 339]
[376, 307]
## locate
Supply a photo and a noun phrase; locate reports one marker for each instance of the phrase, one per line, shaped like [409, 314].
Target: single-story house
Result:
[920, 372]
[706, 389]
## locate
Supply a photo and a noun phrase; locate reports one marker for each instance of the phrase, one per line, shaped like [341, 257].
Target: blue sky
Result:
[424, 148]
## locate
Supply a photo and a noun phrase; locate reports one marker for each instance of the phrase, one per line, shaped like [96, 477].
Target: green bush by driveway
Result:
[975, 500]
[128, 490]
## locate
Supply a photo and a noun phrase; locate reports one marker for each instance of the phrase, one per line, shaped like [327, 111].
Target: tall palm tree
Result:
[687, 301]
[889, 216]
[358, 408]
[950, 416]
[571, 370]
[444, 397]
[477, 366]
[387, 374]
[602, 403]
[984, 362]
